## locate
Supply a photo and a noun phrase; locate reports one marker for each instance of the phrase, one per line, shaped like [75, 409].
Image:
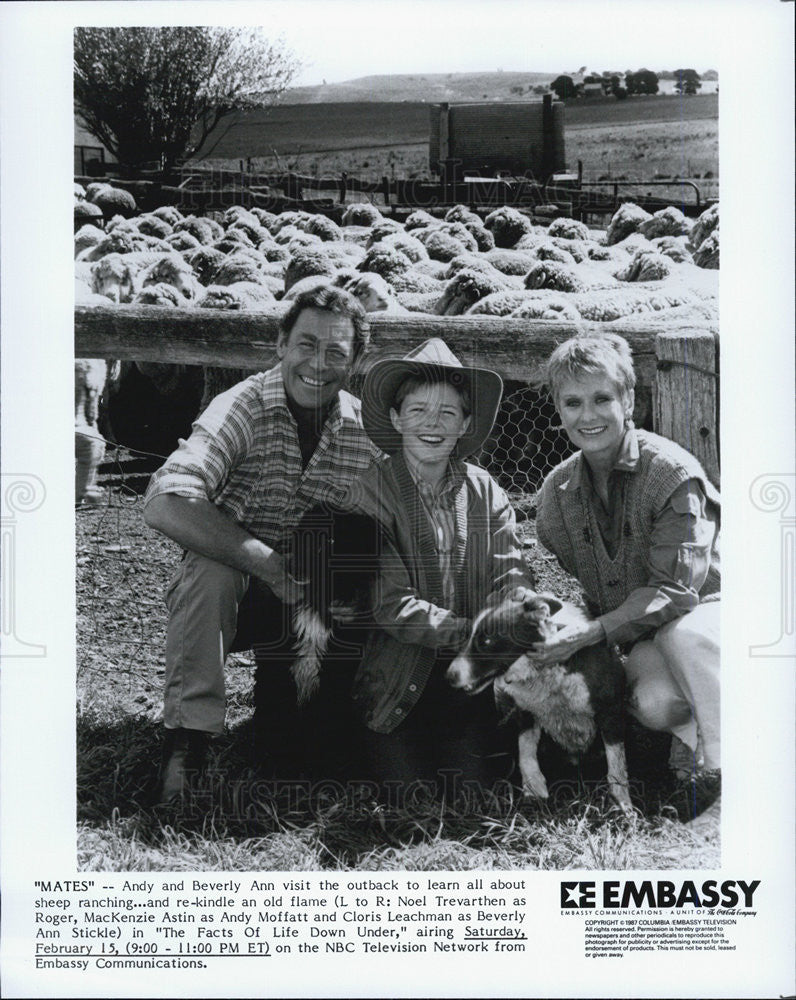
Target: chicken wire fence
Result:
[123, 574]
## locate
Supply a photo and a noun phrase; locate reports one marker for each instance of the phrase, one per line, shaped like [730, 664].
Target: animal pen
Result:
[677, 369]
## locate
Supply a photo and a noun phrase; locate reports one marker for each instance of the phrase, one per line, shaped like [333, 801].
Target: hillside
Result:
[500, 85]
[429, 87]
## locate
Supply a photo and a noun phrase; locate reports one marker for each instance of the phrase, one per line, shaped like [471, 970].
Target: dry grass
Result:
[240, 822]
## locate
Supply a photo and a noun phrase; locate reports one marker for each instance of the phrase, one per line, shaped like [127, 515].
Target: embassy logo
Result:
[710, 894]
[578, 895]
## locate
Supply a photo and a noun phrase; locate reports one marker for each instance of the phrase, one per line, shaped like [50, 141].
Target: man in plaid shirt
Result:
[258, 457]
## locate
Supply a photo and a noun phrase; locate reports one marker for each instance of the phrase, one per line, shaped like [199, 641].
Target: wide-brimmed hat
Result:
[435, 361]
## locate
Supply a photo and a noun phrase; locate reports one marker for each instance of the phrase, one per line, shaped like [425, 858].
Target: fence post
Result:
[686, 397]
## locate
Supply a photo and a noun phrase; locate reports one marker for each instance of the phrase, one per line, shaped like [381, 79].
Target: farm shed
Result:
[521, 137]
[89, 151]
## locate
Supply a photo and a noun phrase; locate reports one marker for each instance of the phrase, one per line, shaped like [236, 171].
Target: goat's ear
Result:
[552, 602]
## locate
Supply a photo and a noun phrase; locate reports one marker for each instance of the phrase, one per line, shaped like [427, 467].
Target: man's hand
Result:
[567, 642]
[276, 577]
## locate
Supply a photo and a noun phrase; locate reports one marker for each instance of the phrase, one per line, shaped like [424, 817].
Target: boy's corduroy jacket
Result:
[412, 627]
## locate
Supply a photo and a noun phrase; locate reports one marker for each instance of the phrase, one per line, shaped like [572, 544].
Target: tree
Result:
[642, 82]
[687, 81]
[157, 93]
[563, 87]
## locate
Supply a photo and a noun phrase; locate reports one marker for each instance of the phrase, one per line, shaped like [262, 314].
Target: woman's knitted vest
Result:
[566, 525]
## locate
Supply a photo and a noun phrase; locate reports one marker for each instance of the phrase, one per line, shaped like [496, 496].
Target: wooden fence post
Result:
[686, 397]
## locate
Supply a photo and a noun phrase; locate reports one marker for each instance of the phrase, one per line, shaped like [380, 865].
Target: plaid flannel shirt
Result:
[243, 455]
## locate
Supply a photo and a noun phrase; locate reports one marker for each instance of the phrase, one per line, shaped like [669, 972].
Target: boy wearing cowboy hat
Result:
[449, 542]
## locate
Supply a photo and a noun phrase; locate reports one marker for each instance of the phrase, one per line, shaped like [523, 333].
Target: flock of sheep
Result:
[662, 266]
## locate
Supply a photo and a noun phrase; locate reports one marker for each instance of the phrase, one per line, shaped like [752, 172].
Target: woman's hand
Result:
[567, 641]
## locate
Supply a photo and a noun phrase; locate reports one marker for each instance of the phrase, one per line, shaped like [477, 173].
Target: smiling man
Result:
[258, 457]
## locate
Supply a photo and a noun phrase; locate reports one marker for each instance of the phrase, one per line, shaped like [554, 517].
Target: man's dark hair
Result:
[335, 300]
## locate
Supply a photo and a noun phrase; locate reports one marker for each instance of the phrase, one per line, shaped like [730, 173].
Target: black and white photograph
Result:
[424, 583]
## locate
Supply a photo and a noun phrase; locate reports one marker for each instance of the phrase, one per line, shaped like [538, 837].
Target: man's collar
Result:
[626, 460]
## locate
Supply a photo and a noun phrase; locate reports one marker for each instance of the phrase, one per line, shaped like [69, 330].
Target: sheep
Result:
[627, 219]
[569, 229]
[292, 234]
[204, 262]
[431, 268]
[169, 214]
[266, 219]
[461, 233]
[578, 249]
[419, 219]
[478, 263]
[252, 230]
[632, 243]
[501, 303]
[669, 221]
[160, 293]
[646, 265]
[483, 237]
[511, 261]
[114, 277]
[386, 261]
[274, 252]
[551, 274]
[175, 271]
[441, 245]
[385, 227]
[238, 213]
[236, 267]
[87, 236]
[375, 294]
[80, 192]
[343, 254]
[200, 229]
[407, 245]
[183, 241]
[86, 210]
[416, 279]
[151, 225]
[552, 306]
[461, 213]
[707, 255]
[361, 213]
[110, 199]
[607, 305]
[547, 250]
[418, 302]
[704, 226]
[673, 247]
[326, 229]
[305, 262]
[285, 219]
[507, 225]
[465, 288]
[91, 377]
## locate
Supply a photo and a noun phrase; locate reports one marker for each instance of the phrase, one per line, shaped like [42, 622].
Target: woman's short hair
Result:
[599, 354]
[413, 382]
[330, 298]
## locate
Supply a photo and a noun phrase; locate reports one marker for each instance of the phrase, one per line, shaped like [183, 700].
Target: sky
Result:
[338, 40]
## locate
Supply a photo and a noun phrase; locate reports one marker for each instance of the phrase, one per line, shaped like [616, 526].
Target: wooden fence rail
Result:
[676, 369]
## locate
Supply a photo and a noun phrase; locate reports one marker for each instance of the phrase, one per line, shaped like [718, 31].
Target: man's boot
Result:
[182, 762]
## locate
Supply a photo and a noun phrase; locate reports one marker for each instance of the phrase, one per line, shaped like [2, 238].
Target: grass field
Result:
[640, 139]
[240, 822]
